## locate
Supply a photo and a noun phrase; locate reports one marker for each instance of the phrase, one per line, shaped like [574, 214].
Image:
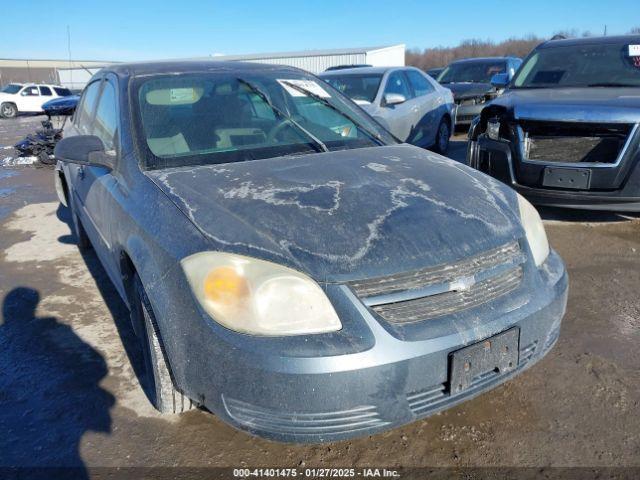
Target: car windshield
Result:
[11, 89]
[472, 72]
[581, 66]
[358, 87]
[210, 118]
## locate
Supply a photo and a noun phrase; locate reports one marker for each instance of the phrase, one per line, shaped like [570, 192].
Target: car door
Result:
[29, 99]
[401, 118]
[45, 95]
[93, 185]
[428, 102]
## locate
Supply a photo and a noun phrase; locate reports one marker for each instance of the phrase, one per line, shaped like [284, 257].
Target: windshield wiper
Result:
[374, 136]
[315, 141]
[612, 84]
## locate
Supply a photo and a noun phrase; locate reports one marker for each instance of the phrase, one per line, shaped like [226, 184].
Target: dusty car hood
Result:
[349, 214]
[573, 104]
[468, 90]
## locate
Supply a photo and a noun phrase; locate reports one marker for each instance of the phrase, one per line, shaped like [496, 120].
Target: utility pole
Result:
[605, 30]
[69, 50]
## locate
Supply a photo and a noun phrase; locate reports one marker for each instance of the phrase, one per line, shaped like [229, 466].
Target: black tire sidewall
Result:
[445, 147]
[78, 230]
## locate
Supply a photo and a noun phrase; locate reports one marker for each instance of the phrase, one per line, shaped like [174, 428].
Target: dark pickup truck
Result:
[566, 132]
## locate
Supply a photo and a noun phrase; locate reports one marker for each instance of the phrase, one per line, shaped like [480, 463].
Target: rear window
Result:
[62, 92]
[11, 89]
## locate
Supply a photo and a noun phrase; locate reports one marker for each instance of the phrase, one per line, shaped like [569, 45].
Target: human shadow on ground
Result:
[50, 393]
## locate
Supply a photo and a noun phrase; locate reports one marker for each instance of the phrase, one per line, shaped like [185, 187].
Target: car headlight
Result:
[534, 230]
[258, 297]
[493, 129]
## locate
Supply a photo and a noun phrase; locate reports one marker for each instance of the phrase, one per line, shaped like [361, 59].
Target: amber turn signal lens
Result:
[225, 285]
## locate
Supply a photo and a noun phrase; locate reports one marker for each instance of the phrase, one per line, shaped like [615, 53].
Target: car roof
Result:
[483, 59]
[616, 39]
[39, 85]
[360, 70]
[127, 70]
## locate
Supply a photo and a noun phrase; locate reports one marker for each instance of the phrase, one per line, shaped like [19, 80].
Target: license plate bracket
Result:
[572, 178]
[497, 354]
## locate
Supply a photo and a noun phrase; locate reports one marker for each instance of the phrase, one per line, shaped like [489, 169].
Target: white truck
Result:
[28, 98]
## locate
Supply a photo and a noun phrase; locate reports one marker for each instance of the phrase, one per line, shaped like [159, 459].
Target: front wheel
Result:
[8, 110]
[158, 383]
[442, 137]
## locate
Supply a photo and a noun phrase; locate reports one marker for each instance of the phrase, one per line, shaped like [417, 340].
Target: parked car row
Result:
[17, 98]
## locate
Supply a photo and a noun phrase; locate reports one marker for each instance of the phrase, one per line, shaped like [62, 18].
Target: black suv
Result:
[567, 130]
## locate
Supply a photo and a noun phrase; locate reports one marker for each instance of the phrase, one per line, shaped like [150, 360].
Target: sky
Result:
[120, 30]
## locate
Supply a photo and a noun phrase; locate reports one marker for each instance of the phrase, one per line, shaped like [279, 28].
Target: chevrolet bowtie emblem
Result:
[462, 284]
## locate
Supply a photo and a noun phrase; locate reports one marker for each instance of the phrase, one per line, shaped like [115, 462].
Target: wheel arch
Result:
[61, 186]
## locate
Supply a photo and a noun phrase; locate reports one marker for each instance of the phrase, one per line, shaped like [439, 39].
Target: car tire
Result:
[8, 110]
[82, 239]
[158, 383]
[443, 135]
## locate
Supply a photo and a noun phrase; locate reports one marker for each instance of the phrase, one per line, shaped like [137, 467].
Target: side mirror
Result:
[500, 80]
[83, 150]
[394, 99]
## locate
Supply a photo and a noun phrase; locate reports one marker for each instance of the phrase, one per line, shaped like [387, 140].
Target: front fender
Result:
[474, 129]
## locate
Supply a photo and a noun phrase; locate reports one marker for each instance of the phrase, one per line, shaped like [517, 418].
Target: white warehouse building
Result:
[316, 61]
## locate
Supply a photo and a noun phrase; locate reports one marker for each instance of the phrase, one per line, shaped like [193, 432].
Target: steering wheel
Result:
[277, 129]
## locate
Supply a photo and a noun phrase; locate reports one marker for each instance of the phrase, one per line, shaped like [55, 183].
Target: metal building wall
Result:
[315, 63]
[27, 75]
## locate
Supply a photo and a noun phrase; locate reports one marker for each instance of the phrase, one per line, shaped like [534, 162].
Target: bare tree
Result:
[442, 56]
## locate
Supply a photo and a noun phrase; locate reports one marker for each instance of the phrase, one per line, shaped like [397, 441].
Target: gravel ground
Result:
[70, 396]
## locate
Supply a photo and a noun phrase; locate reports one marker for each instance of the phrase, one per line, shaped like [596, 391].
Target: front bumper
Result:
[333, 397]
[465, 113]
[613, 188]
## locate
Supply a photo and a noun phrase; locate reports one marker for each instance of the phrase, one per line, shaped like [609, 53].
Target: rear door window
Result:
[62, 92]
[46, 91]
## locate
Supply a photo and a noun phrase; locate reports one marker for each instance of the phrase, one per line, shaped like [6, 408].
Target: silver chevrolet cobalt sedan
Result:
[290, 266]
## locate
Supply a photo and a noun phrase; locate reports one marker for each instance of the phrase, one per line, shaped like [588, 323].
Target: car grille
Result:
[433, 292]
[452, 301]
[574, 143]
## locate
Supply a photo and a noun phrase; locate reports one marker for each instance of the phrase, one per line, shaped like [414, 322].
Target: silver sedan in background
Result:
[406, 101]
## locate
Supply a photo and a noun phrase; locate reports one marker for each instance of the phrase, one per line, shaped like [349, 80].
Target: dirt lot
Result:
[69, 391]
